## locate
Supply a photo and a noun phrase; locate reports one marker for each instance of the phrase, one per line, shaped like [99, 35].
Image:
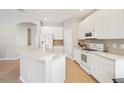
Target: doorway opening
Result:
[26, 35]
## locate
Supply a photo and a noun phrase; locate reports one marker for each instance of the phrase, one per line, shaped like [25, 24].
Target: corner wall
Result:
[8, 21]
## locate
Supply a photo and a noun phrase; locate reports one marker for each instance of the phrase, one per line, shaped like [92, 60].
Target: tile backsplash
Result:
[114, 45]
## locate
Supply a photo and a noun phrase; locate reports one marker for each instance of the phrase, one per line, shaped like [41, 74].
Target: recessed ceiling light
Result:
[45, 18]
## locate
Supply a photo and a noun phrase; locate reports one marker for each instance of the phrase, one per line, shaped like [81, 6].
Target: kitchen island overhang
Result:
[38, 66]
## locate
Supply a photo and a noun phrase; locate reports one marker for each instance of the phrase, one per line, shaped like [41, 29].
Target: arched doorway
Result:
[26, 35]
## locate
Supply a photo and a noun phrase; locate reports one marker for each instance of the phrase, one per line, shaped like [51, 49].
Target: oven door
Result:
[85, 59]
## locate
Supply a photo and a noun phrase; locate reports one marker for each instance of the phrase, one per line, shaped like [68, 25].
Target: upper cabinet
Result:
[110, 24]
[116, 18]
[84, 27]
[106, 24]
[81, 32]
[87, 25]
[103, 24]
[56, 31]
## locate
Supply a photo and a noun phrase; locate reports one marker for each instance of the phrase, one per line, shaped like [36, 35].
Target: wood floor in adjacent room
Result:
[9, 72]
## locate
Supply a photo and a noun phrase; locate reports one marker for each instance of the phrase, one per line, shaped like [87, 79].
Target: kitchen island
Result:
[39, 66]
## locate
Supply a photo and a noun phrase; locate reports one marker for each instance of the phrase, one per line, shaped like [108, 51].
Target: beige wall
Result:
[110, 43]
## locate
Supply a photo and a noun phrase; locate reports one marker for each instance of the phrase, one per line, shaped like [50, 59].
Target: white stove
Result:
[85, 57]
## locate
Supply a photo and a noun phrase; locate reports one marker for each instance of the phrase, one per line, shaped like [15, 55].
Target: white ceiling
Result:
[56, 16]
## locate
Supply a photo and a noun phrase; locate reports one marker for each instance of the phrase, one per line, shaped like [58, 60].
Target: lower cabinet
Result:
[94, 66]
[106, 72]
[102, 68]
[77, 55]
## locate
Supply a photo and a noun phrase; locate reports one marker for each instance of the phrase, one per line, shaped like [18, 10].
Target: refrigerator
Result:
[46, 40]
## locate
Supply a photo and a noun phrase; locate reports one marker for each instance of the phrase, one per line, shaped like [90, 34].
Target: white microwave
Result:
[90, 35]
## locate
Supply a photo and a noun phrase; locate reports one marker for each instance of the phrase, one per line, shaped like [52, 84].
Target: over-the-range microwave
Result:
[90, 35]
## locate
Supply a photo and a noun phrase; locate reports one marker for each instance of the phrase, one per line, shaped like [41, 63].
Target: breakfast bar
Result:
[39, 66]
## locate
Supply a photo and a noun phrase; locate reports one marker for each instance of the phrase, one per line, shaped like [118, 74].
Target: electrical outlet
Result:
[114, 45]
[121, 46]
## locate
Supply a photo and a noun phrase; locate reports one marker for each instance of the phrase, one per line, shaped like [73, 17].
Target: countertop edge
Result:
[104, 54]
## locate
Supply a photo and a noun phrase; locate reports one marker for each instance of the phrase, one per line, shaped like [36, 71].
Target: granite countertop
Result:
[38, 53]
[104, 54]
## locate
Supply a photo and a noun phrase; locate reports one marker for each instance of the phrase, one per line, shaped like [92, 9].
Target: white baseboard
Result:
[9, 58]
[23, 81]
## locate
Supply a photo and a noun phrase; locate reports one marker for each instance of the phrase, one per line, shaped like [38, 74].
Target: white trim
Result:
[23, 81]
[70, 58]
[10, 58]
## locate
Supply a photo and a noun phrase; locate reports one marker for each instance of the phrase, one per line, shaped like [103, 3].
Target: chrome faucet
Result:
[43, 45]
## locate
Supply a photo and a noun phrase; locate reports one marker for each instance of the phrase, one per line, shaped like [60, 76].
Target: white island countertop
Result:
[39, 66]
[38, 53]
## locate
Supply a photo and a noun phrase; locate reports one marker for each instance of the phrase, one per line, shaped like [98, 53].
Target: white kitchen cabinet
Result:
[93, 21]
[102, 68]
[84, 27]
[106, 70]
[94, 66]
[110, 24]
[106, 23]
[116, 23]
[87, 25]
[39, 66]
[77, 55]
[56, 31]
[119, 68]
[103, 24]
[81, 32]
